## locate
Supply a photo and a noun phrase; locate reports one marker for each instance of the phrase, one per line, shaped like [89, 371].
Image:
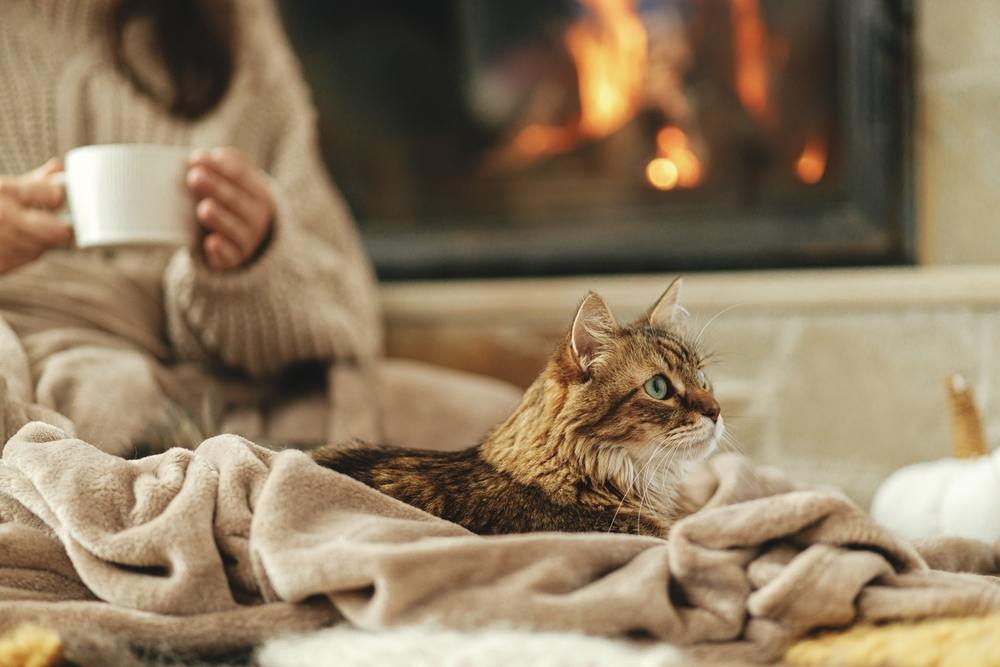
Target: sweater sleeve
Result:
[310, 295]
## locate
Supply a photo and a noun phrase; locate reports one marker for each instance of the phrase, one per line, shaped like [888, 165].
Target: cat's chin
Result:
[712, 443]
[704, 443]
[698, 446]
[718, 430]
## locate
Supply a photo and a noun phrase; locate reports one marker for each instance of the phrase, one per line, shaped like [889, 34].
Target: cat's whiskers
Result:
[679, 454]
[663, 451]
[636, 477]
[666, 459]
[673, 450]
[730, 440]
[719, 314]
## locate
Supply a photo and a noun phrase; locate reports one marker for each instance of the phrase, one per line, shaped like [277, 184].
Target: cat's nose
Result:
[711, 409]
[701, 401]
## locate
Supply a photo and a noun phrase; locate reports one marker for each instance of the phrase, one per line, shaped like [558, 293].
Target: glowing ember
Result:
[670, 139]
[672, 144]
[811, 164]
[537, 140]
[662, 173]
[750, 48]
[688, 168]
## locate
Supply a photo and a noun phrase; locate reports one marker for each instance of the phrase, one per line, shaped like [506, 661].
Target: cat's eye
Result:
[659, 387]
[702, 380]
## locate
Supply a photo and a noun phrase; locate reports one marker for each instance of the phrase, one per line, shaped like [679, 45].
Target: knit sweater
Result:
[310, 294]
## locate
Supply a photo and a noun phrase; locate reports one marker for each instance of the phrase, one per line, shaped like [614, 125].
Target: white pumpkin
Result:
[958, 497]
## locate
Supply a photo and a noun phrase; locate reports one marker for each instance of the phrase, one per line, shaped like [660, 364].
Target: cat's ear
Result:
[592, 328]
[667, 312]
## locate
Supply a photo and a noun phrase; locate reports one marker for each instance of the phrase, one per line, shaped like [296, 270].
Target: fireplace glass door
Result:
[530, 137]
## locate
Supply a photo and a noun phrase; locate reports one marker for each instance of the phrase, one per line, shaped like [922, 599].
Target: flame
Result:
[673, 147]
[610, 56]
[811, 164]
[750, 48]
[608, 47]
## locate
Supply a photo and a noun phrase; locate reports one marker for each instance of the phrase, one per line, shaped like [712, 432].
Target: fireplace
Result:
[530, 137]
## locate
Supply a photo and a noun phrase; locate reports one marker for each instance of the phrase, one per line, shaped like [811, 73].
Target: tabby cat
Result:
[597, 443]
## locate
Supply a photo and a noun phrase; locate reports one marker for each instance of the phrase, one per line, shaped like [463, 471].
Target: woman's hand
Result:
[235, 206]
[27, 225]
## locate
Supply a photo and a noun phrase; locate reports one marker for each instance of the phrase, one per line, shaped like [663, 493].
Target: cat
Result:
[598, 442]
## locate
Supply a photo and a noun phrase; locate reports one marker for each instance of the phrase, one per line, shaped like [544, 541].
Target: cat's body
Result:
[597, 443]
[463, 487]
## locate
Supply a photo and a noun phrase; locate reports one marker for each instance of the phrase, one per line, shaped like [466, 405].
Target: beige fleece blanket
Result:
[231, 543]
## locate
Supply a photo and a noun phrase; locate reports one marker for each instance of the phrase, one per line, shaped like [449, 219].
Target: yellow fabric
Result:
[950, 642]
[30, 646]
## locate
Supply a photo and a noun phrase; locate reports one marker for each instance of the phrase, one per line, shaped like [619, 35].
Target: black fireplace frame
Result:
[872, 225]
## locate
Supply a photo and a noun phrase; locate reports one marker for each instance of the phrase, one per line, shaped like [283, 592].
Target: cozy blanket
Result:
[232, 543]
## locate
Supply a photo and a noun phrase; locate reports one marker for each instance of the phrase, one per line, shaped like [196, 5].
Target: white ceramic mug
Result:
[129, 194]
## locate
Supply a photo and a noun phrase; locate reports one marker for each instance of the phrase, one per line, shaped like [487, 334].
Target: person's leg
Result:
[112, 397]
[91, 325]
[17, 405]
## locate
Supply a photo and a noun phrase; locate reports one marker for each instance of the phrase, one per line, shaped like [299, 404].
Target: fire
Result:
[811, 164]
[751, 69]
[608, 47]
[672, 147]
[610, 56]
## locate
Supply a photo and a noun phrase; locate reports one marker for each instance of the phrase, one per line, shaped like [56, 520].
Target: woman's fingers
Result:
[46, 229]
[207, 183]
[20, 223]
[52, 166]
[36, 189]
[232, 164]
[221, 253]
[235, 204]
[27, 230]
[219, 218]
[26, 233]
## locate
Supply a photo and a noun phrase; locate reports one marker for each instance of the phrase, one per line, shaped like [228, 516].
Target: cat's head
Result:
[636, 399]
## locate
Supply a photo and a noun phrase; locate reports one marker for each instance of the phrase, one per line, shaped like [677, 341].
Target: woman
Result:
[116, 340]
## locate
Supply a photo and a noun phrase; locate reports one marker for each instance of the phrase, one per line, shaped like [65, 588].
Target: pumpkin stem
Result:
[967, 437]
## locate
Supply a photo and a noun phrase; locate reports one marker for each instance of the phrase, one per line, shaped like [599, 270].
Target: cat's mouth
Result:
[707, 440]
[718, 430]
[677, 451]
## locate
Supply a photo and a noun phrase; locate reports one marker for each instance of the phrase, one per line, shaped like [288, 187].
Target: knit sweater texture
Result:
[309, 296]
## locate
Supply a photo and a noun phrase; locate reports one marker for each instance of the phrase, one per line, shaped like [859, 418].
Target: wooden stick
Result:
[967, 438]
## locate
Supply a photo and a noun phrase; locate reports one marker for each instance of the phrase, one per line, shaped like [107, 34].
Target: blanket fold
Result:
[232, 543]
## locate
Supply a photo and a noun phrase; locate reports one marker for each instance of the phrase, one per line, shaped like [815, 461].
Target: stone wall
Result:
[957, 133]
[846, 396]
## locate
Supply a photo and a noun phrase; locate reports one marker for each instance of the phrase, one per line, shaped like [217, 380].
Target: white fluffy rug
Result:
[424, 647]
